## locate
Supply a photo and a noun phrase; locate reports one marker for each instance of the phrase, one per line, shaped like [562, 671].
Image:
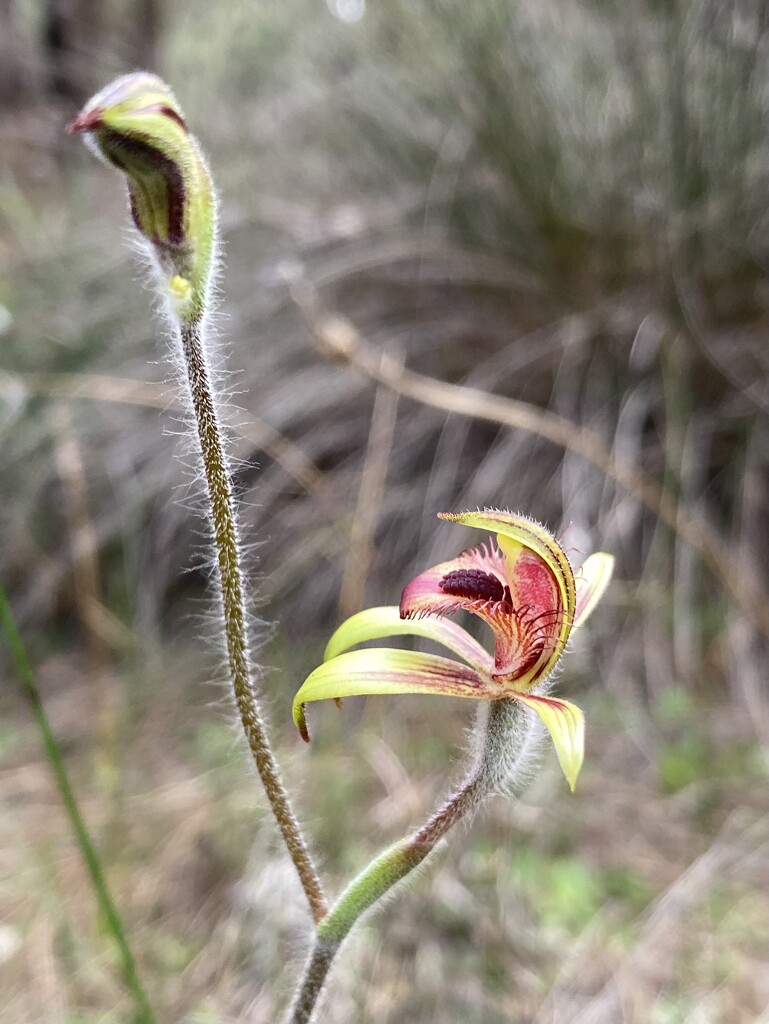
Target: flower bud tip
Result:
[136, 125]
[87, 121]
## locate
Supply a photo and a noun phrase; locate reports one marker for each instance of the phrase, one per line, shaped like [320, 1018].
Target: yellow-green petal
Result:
[592, 580]
[566, 724]
[375, 623]
[380, 670]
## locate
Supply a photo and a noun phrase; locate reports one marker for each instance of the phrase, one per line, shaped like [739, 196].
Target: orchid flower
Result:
[523, 587]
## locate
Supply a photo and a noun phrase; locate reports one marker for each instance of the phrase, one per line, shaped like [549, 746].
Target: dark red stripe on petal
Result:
[137, 159]
[134, 210]
[166, 111]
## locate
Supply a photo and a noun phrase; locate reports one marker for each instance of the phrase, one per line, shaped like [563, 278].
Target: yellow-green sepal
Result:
[592, 580]
[566, 724]
[380, 670]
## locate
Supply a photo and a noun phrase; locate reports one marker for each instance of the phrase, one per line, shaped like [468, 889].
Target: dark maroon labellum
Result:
[475, 584]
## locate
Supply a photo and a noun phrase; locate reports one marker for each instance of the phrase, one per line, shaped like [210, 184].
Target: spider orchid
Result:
[523, 587]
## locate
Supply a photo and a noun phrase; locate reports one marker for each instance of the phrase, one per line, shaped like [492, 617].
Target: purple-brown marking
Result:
[474, 584]
[166, 111]
[167, 168]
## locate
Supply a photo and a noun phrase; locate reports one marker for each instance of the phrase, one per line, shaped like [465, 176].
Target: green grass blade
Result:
[143, 1011]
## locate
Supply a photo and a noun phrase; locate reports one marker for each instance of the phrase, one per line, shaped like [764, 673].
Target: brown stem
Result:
[223, 520]
[461, 803]
[313, 980]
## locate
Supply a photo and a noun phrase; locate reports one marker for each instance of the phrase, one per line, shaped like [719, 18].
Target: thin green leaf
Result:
[143, 1013]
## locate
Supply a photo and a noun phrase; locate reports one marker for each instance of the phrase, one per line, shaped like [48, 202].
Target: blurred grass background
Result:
[564, 203]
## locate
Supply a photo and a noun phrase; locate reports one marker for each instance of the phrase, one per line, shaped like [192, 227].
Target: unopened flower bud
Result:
[136, 125]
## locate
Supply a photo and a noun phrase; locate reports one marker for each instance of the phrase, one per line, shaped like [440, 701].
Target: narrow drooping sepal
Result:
[592, 580]
[380, 670]
[566, 724]
[375, 623]
[136, 125]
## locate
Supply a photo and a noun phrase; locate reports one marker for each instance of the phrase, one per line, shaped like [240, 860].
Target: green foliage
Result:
[689, 756]
[112, 919]
[10, 737]
[567, 892]
[684, 762]
[675, 705]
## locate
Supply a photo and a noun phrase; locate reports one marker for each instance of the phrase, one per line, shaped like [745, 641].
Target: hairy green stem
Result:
[505, 742]
[143, 1013]
[230, 575]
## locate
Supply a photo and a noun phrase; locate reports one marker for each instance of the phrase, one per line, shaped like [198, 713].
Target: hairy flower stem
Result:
[230, 576]
[506, 740]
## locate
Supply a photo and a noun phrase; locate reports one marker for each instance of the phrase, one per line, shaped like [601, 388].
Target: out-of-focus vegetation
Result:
[564, 203]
